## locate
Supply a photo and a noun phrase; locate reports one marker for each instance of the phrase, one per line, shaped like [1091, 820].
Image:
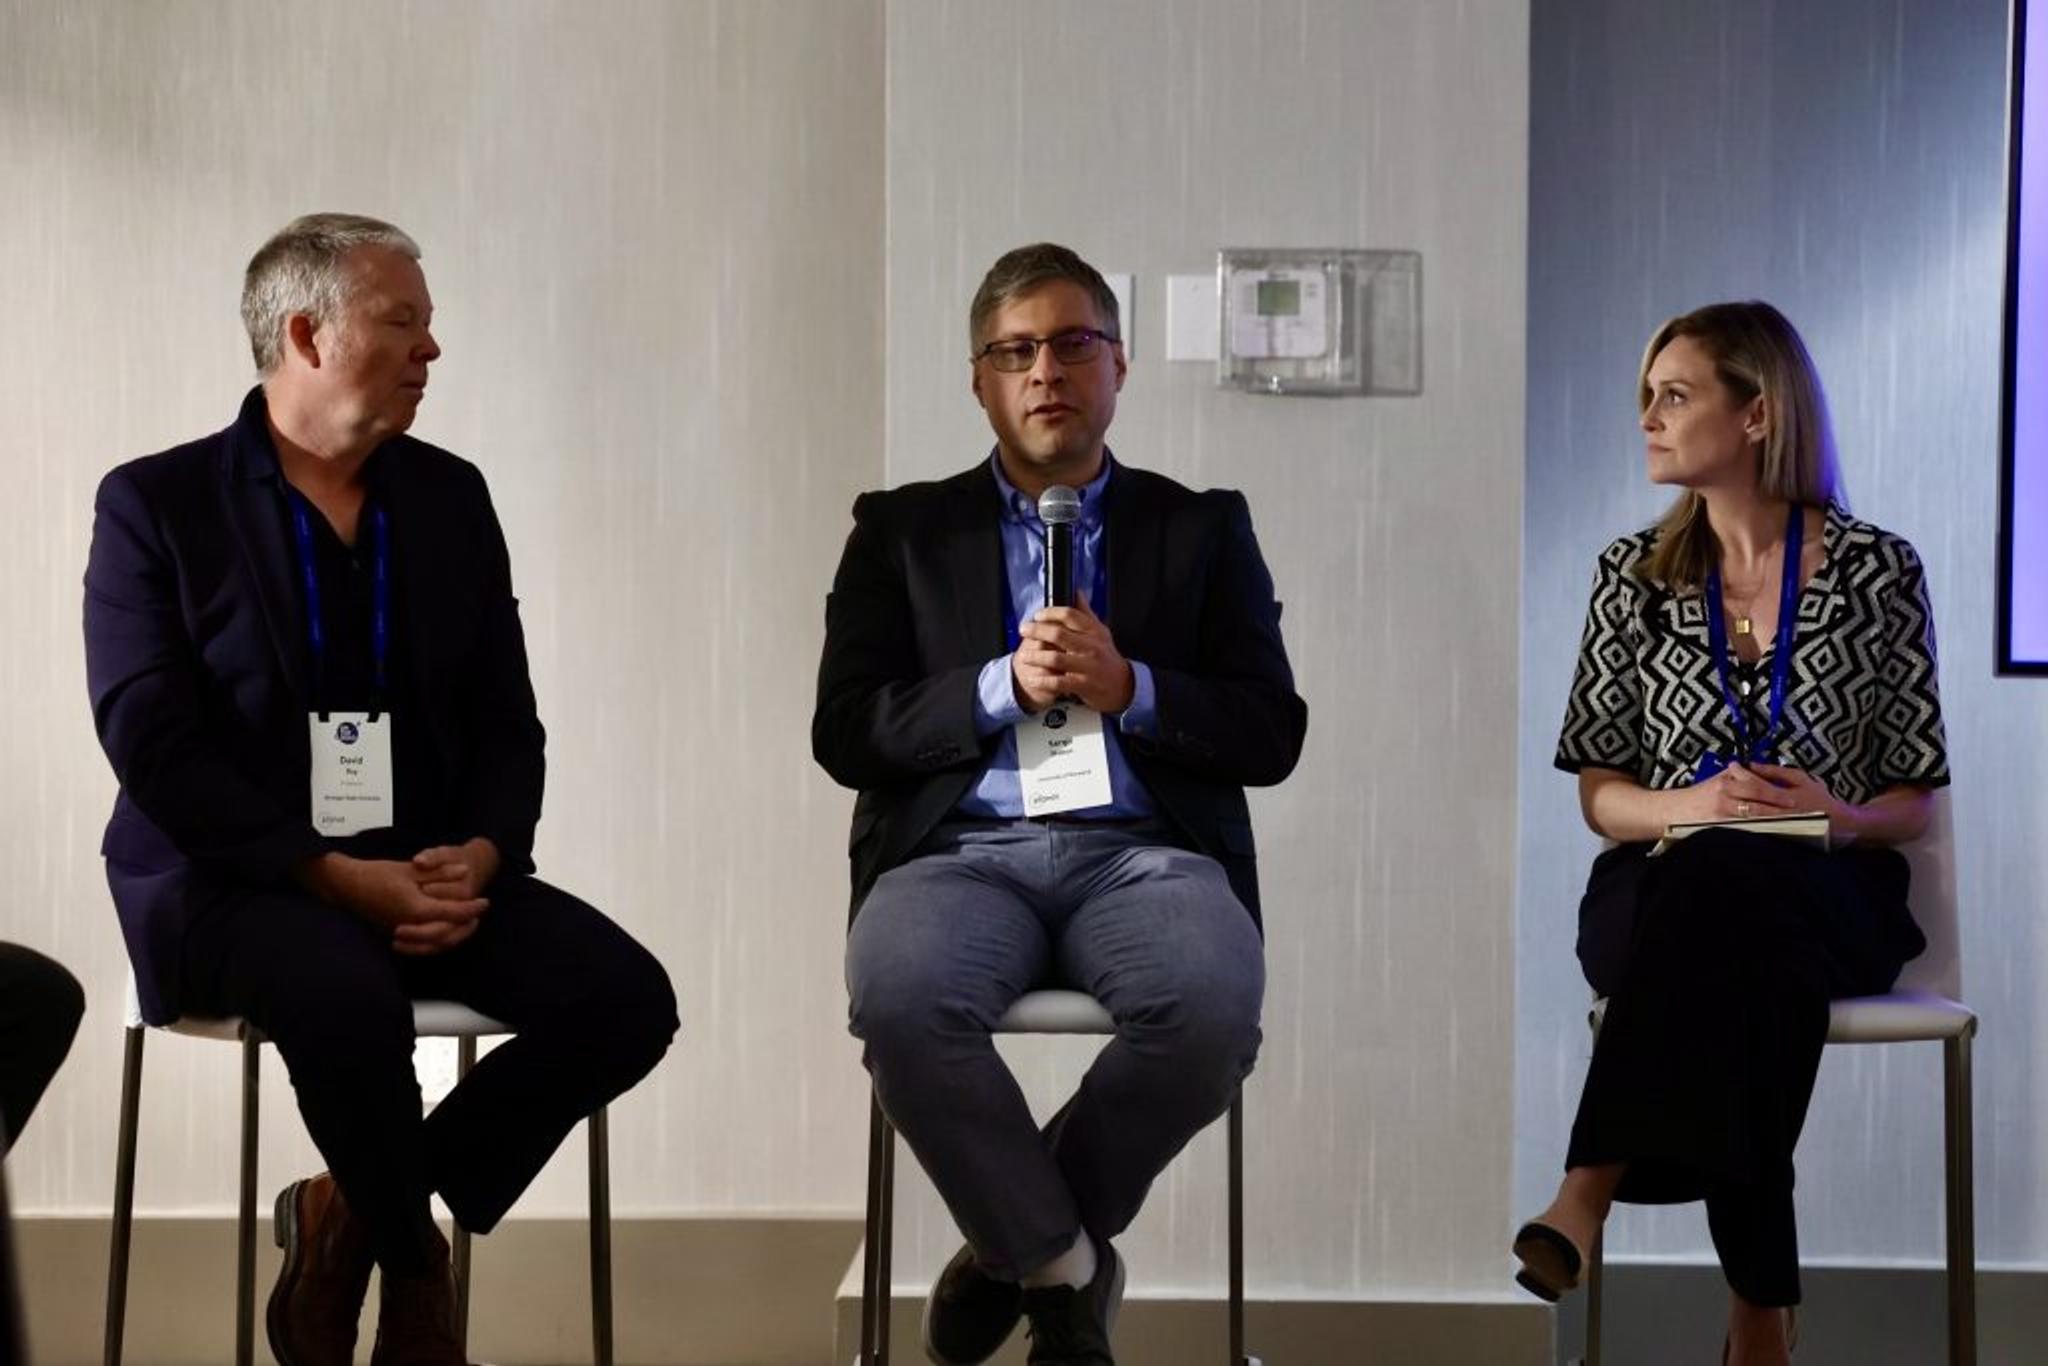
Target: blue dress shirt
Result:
[997, 793]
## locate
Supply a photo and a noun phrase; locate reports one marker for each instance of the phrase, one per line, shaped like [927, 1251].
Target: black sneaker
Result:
[1071, 1327]
[970, 1313]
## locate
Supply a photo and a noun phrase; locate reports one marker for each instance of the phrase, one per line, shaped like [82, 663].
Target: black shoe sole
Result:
[284, 1226]
[1550, 1262]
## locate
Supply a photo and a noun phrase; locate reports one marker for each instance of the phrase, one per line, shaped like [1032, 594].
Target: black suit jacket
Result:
[198, 665]
[917, 608]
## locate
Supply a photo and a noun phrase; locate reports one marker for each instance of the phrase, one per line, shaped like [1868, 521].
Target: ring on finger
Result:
[1742, 809]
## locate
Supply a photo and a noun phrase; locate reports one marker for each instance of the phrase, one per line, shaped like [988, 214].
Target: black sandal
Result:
[1551, 1262]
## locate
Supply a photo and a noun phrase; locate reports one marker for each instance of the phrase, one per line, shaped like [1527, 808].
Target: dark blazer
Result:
[917, 608]
[198, 666]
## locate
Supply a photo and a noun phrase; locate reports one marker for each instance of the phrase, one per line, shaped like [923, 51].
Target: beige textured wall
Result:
[1147, 136]
[656, 234]
[653, 233]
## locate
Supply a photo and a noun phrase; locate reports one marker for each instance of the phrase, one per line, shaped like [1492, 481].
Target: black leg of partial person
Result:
[40, 1007]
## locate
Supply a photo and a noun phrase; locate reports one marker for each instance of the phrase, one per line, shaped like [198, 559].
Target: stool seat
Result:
[1905, 1016]
[430, 1020]
[1056, 1012]
[450, 1020]
[1899, 1017]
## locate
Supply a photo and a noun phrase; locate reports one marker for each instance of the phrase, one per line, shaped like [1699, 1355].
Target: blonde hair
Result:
[1756, 353]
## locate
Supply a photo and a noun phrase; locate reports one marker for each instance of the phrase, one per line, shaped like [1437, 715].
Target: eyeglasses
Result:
[1013, 354]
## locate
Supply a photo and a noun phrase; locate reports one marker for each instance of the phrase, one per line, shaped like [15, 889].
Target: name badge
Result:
[1062, 759]
[352, 788]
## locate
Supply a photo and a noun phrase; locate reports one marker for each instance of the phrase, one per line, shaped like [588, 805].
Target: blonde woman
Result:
[1757, 652]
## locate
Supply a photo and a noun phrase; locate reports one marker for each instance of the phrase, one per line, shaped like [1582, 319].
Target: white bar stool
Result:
[431, 1020]
[1035, 1012]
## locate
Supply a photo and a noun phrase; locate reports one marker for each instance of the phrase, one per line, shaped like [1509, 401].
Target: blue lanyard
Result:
[380, 598]
[1098, 588]
[1754, 748]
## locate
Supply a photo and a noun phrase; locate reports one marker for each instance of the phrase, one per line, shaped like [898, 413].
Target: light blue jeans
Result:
[986, 910]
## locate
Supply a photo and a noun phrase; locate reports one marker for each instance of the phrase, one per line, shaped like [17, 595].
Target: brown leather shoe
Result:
[319, 1293]
[416, 1315]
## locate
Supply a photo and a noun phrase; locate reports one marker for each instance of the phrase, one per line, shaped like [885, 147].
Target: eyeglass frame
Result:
[1095, 334]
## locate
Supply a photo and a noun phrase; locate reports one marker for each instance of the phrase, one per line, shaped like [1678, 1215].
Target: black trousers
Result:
[1718, 960]
[593, 1010]
[40, 1007]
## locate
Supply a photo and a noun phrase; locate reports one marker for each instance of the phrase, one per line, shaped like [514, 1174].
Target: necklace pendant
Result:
[1743, 626]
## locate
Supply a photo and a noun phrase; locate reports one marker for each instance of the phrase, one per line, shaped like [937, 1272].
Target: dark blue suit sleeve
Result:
[499, 793]
[879, 719]
[143, 674]
[1235, 718]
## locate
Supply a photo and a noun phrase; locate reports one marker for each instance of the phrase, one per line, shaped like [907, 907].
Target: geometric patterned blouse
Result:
[1862, 712]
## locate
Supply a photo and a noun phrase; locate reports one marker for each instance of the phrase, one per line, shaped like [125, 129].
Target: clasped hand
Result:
[1069, 652]
[1741, 791]
[429, 903]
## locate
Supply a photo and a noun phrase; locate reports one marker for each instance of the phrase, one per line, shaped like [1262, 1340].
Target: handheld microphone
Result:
[1059, 507]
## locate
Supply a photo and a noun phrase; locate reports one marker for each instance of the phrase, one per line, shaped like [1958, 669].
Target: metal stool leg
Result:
[465, 1058]
[867, 1237]
[245, 1215]
[1962, 1237]
[124, 1195]
[600, 1238]
[884, 1281]
[1237, 1356]
[1595, 1279]
[875, 1278]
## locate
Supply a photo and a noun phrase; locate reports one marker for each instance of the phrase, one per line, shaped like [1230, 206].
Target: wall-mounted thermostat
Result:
[1320, 322]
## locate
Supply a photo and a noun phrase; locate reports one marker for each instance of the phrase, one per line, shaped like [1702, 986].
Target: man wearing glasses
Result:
[1051, 796]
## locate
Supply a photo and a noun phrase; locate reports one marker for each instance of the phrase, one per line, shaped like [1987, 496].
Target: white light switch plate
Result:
[1192, 325]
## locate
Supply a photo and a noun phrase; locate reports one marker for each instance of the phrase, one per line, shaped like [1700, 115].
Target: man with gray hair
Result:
[1051, 794]
[307, 670]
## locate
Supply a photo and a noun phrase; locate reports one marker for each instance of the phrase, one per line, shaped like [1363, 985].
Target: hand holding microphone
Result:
[1066, 650]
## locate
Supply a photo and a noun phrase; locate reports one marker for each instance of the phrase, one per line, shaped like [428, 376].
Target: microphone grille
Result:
[1059, 505]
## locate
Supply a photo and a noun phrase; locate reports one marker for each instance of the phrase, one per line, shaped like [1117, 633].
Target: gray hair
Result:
[1021, 271]
[299, 271]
